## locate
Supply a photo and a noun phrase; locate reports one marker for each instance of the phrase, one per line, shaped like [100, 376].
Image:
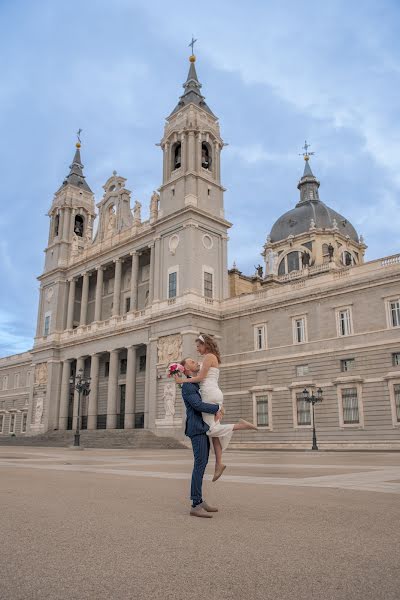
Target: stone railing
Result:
[390, 260]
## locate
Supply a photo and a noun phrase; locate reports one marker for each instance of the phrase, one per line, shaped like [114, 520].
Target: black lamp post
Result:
[82, 386]
[311, 399]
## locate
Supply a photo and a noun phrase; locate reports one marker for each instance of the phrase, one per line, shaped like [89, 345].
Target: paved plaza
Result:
[115, 524]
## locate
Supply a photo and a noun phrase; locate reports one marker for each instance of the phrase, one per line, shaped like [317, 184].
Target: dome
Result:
[298, 221]
[309, 208]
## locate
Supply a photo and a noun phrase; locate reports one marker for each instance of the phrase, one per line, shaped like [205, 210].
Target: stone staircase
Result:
[99, 438]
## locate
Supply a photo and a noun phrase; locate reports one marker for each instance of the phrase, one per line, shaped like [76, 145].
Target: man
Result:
[196, 430]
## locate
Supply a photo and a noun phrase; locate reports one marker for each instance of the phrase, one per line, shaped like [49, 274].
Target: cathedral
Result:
[122, 297]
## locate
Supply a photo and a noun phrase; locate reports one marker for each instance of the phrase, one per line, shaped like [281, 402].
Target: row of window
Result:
[208, 282]
[12, 421]
[345, 364]
[344, 325]
[17, 381]
[123, 364]
[350, 408]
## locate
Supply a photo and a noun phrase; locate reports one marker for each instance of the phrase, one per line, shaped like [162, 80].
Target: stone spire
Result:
[76, 176]
[192, 92]
[308, 184]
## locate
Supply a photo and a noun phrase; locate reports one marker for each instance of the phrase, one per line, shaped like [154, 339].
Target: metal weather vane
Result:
[306, 154]
[78, 133]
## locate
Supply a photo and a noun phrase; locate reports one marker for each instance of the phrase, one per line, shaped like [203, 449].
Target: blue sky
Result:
[275, 72]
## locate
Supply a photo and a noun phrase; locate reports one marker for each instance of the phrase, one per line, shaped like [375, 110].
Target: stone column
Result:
[150, 389]
[94, 386]
[84, 299]
[99, 293]
[134, 279]
[130, 395]
[183, 153]
[71, 223]
[80, 364]
[157, 269]
[112, 390]
[191, 151]
[151, 276]
[165, 162]
[117, 287]
[67, 222]
[71, 303]
[61, 225]
[198, 152]
[216, 157]
[64, 397]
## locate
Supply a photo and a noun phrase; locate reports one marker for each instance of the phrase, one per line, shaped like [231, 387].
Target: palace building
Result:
[121, 297]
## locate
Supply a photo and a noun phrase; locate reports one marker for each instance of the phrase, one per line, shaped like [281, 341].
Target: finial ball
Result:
[192, 58]
[77, 145]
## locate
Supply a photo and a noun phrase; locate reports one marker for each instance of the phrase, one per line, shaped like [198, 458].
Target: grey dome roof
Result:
[298, 220]
[309, 207]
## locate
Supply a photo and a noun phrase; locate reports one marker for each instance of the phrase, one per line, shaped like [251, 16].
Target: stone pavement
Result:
[114, 524]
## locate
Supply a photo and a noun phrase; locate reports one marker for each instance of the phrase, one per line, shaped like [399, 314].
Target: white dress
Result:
[211, 393]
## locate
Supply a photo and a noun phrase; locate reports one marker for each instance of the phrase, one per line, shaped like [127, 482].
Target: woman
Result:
[211, 393]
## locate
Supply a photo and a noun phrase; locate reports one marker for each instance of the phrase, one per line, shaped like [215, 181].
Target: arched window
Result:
[176, 156]
[290, 262]
[282, 267]
[78, 225]
[205, 156]
[347, 259]
[56, 224]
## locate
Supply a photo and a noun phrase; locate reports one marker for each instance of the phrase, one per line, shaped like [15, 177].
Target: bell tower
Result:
[71, 215]
[71, 224]
[191, 147]
[191, 228]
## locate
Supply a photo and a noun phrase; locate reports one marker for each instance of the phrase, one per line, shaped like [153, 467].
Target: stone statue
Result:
[41, 373]
[137, 216]
[331, 250]
[305, 259]
[39, 411]
[169, 396]
[260, 271]
[111, 221]
[334, 224]
[169, 348]
[155, 198]
[312, 224]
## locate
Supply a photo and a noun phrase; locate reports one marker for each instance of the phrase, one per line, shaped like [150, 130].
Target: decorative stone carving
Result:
[169, 397]
[111, 221]
[173, 243]
[312, 224]
[74, 246]
[49, 294]
[207, 241]
[169, 348]
[271, 262]
[41, 373]
[39, 410]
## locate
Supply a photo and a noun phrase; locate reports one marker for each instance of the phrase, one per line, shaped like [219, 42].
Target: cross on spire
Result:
[192, 43]
[306, 154]
[78, 133]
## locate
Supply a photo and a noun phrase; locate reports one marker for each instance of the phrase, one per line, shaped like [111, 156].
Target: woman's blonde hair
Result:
[210, 345]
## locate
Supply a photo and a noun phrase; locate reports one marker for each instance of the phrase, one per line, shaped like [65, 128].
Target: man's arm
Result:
[192, 396]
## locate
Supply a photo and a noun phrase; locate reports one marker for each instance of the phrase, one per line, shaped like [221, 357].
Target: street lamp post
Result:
[82, 386]
[311, 399]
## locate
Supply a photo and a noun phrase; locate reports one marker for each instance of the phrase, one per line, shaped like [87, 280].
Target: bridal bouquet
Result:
[175, 369]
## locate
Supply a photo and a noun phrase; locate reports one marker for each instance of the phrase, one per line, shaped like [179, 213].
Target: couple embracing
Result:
[204, 411]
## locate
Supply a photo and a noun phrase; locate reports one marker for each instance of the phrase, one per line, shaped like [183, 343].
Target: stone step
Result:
[100, 438]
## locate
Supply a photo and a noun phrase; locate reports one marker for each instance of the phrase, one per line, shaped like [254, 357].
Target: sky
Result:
[274, 72]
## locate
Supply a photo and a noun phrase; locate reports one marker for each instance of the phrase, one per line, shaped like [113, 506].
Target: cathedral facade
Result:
[121, 297]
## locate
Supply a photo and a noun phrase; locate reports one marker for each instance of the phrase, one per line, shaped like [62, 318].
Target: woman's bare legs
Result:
[218, 451]
[243, 425]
